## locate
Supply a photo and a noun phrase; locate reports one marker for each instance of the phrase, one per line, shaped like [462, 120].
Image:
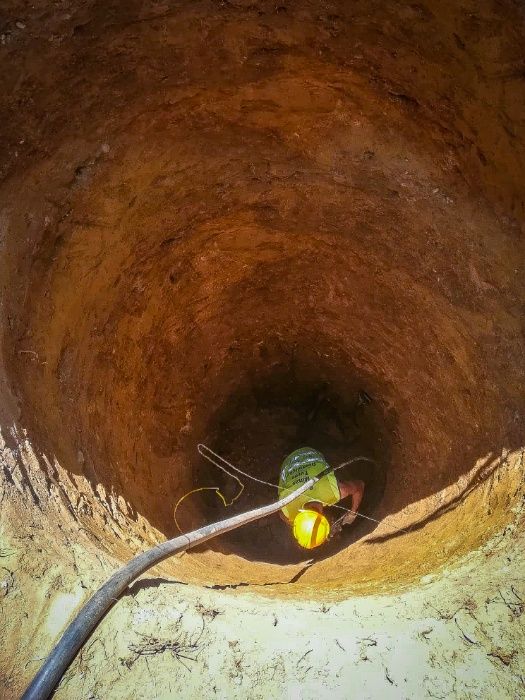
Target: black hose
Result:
[75, 636]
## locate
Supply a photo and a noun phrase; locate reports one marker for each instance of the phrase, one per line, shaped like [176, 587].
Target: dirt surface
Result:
[210, 214]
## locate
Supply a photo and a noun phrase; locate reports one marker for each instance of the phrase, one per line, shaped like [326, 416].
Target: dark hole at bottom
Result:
[256, 429]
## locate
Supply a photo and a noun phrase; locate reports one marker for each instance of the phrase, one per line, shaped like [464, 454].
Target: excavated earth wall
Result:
[211, 212]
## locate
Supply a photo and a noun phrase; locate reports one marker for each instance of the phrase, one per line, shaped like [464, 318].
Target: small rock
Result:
[20, 25]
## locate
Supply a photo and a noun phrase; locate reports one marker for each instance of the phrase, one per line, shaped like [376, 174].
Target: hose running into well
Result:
[79, 630]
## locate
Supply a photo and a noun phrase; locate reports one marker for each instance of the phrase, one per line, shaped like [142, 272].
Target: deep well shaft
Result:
[223, 223]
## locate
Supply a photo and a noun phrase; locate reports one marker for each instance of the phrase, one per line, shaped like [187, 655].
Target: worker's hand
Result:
[349, 518]
[336, 528]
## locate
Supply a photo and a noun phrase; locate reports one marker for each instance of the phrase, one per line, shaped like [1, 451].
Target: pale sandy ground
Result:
[458, 633]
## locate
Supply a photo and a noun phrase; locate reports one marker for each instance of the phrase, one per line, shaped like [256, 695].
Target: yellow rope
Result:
[208, 488]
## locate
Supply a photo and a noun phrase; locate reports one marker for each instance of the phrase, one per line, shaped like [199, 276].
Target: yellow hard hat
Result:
[310, 528]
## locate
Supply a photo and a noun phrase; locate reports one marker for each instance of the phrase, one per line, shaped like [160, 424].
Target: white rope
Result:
[201, 447]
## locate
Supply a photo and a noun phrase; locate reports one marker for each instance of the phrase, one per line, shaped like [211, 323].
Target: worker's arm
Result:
[354, 488]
